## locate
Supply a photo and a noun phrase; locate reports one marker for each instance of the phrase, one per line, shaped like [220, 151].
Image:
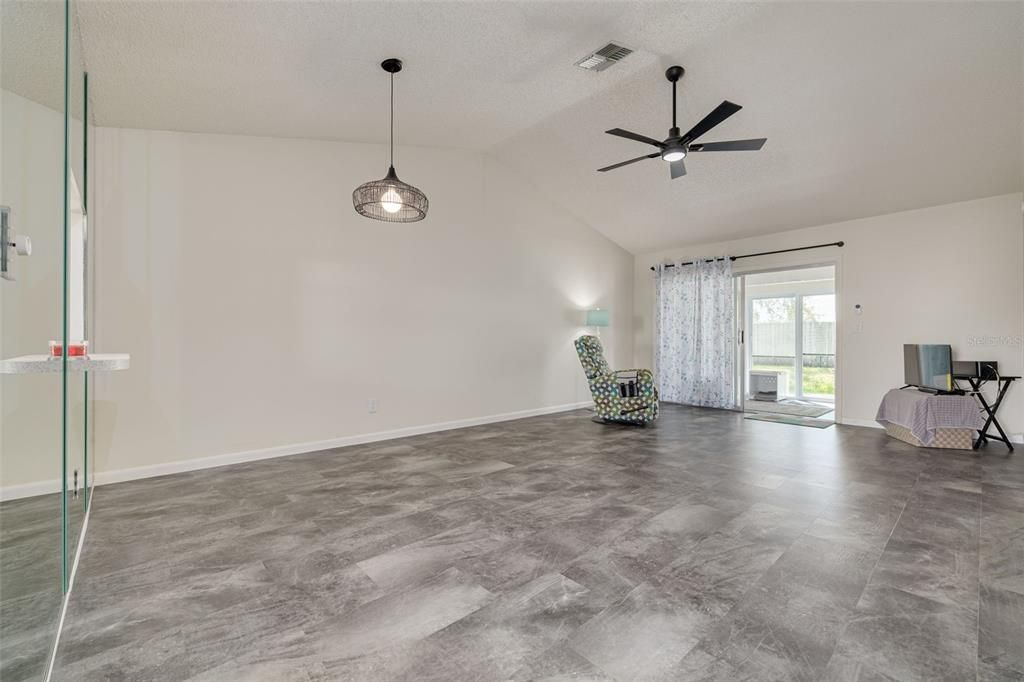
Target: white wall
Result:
[947, 274]
[261, 311]
[32, 185]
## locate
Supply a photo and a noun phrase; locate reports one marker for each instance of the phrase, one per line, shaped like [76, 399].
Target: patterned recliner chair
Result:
[627, 396]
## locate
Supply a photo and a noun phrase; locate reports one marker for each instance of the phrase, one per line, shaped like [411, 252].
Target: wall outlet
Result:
[371, 405]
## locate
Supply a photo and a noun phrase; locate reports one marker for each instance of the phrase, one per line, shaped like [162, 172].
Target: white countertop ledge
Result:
[44, 364]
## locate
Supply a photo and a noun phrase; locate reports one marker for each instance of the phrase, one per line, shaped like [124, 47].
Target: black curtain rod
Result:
[763, 253]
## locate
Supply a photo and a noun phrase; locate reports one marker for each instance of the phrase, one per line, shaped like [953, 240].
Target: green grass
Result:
[817, 380]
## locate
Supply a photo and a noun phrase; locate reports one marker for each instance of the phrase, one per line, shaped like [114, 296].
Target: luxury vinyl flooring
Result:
[30, 581]
[704, 547]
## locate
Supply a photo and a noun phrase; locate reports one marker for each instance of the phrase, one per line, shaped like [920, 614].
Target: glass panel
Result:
[88, 258]
[819, 346]
[32, 185]
[75, 287]
[773, 339]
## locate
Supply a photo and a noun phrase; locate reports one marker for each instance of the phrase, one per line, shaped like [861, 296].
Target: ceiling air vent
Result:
[605, 57]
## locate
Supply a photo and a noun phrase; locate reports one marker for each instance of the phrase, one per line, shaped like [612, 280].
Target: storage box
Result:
[949, 439]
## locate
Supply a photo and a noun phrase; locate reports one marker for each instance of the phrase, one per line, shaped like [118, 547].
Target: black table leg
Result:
[983, 435]
[995, 407]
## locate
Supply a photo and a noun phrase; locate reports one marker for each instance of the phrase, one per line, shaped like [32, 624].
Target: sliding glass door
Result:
[790, 334]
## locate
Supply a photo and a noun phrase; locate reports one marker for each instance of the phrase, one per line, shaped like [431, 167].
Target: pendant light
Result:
[390, 199]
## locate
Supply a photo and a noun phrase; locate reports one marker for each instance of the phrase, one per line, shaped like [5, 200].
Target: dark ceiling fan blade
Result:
[635, 136]
[626, 163]
[721, 112]
[730, 146]
[678, 169]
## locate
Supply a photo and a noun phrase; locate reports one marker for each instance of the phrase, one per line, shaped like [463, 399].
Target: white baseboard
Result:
[120, 475]
[16, 492]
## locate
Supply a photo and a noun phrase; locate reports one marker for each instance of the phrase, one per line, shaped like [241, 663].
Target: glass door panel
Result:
[819, 347]
[772, 341]
[74, 295]
[33, 174]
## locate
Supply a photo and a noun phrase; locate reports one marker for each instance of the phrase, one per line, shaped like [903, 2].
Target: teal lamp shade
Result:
[597, 318]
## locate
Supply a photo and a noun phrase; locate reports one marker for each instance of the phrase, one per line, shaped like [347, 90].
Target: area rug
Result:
[798, 408]
[791, 419]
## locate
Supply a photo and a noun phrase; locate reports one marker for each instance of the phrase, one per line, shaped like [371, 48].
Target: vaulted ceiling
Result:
[868, 107]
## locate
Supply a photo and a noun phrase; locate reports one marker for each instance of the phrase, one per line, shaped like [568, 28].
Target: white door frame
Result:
[798, 261]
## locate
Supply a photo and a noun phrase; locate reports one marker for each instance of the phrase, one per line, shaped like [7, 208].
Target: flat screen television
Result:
[928, 366]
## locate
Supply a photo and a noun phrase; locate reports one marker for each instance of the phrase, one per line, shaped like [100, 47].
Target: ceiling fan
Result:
[675, 147]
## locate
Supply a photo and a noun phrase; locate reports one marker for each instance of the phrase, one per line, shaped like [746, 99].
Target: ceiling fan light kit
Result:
[674, 153]
[675, 147]
[390, 199]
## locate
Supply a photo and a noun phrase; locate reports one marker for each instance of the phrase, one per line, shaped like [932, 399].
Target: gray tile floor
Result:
[30, 581]
[704, 547]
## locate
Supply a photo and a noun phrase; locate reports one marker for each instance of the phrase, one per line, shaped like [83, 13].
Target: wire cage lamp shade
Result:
[390, 200]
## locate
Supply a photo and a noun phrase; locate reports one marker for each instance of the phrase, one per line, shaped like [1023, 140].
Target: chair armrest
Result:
[644, 376]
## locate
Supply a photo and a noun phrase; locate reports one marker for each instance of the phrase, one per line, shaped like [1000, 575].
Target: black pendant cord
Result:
[392, 120]
[763, 253]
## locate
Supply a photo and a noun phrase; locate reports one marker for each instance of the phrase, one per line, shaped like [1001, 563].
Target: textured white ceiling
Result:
[32, 50]
[868, 107]
[475, 73]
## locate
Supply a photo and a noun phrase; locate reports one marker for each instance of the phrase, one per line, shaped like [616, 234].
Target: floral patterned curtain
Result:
[695, 333]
